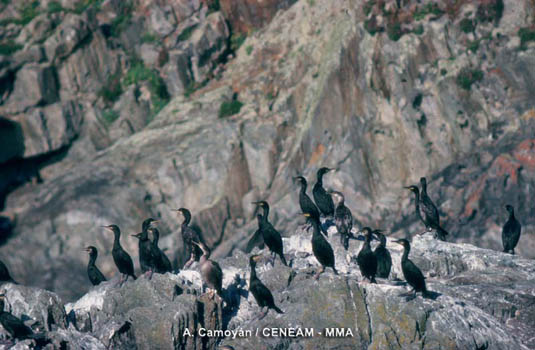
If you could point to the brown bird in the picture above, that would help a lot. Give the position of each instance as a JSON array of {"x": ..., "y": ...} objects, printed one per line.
[{"x": 211, "y": 272}]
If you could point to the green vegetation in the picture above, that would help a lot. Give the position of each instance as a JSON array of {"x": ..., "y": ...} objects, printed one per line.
[
  {"x": 490, "y": 11},
  {"x": 467, "y": 25},
  {"x": 213, "y": 6},
  {"x": 158, "y": 91},
  {"x": 9, "y": 47},
  {"x": 54, "y": 6},
  {"x": 112, "y": 90},
  {"x": 368, "y": 7},
  {"x": 394, "y": 31},
  {"x": 28, "y": 12},
  {"x": 429, "y": 8},
  {"x": 311, "y": 2},
  {"x": 249, "y": 49},
  {"x": 122, "y": 20},
  {"x": 236, "y": 40},
  {"x": 419, "y": 30},
  {"x": 192, "y": 87},
  {"x": 229, "y": 108},
  {"x": 371, "y": 26},
  {"x": 109, "y": 116},
  {"x": 474, "y": 45},
  {"x": 443, "y": 72},
  {"x": 468, "y": 76},
  {"x": 83, "y": 5},
  {"x": 149, "y": 37},
  {"x": 186, "y": 33},
  {"x": 526, "y": 35}
]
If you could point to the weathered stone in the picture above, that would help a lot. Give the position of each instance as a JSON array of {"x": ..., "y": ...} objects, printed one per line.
[
  {"x": 176, "y": 72},
  {"x": 68, "y": 36},
  {"x": 247, "y": 15},
  {"x": 34, "y": 85},
  {"x": 37, "y": 30}
]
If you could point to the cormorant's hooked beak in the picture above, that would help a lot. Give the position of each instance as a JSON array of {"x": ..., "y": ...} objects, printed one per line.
[
  {"x": 398, "y": 241},
  {"x": 256, "y": 258},
  {"x": 307, "y": 215},
  {"x": 107, "y": 227},
  {"x": 408, "y": 188},
  {"x": 137, "y": 235}
]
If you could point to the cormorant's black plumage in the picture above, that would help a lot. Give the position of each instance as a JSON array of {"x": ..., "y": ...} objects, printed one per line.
[
  {"x": 12, "y": 324},
  {"x": 147, "y": 254},
  {"x": 122, "y": 259},
  {"x": 307, "y": 206},
  {"x": 271, "y": 237},
  {"x": 320, "y": 247},
  {"x": 411, "y": 272},
  {"x": 94, "y": 274},
  {"x": 384, "y": 260},
  {"x": 211, "y": 272},
  {"x": 427, "y": 212},
  {"x": 321, "y": 197},
  {"x": 342, "y": 219},
  {"x": 4, "y": 274},
  {"x": 366, "y": 260},
  {"x": 189, "y": 235},
  {"x": 511, "y": 231},
  {"x": 163, "y": 264},
  {"x": 261, "y": 293}
]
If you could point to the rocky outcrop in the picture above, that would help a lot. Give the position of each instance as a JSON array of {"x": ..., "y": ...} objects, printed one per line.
[
  {"x": 317, "y": 86},
  {"x": 482, "y": 299}
]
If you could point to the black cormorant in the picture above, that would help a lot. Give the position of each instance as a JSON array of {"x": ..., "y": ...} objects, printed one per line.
[
  {"x": 4, "y": 274},
  {"x": 122, "y": 259},
  {"x": 211, "y": 272},
  {"x": 17, "y": 329},
  {"x": 307, "y": 206},
  {"x": 147, "y": 254},
  {"x": 366, "y": 260},
  {"x": 343, "y": 219},
  {"x": 261, "y": 293},
  {"x": 321, "y": 197},
  {"x": 384, "y": 260},
  {"x": 411, "y": 272},
  {"x": 271, "y": 237},
  {"x": 94, "y": 274},
  {"x": 320, "y": 247},
  {"x": 189, "y": 235},
  {"x": 163, "y": 264},
  {"x": 427, "y": 212},
  {"x": 511, "y": 231}
]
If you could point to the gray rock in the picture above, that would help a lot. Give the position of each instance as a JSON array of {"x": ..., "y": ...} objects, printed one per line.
[{"x": 69, "y": 34}]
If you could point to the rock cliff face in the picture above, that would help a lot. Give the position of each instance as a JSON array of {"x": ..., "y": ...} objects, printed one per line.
[
  {"x": 484, "y": 300},
  {"x": 382, "y": 93}
]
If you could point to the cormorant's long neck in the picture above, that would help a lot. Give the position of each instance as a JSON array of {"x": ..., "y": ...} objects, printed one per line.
[
  {"x": 405, "y": 255},
  {"x": 316, "y": 226},
  {"x": 320, "y": 180},
  {"x": 117, "y": 240},
  {"x": 424, "y": 189},
  {"x": 512, "y": 214},
  {"x": 187, "y": 219},
  {"x": 266, "y": 212},
  {"x": 303, "y": 188},
  {"x": 156, "y": 237},
  {"x": 92, "y": 259},
  {"x": 253, "y": 273}
]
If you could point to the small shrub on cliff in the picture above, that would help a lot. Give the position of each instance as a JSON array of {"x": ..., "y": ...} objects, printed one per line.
[
  {"x": 236, "y": 40},
  {"x": 9, "y": 47},
  {"x": 490, "y": 11},
  {"x": 54, "y": 6},
  {"x": 430, "y": 8},
  {"x": 109, "y": 116},
  {"x": 468, "y": 76},
  {"x": 467, "y": 25},
  {"x": 186, "y": 33},
  {"x": 526, "y": 35},
  {"x": 28, "y": 12},
  {"x": 231, "y": 107},
  {"x": 394, "y": 31}
]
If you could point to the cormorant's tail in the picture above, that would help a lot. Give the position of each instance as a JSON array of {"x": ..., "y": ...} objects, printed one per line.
[
  {"x": 441, "y": 233},
  {"x": 426, "y": 294},
  {"x": 279, "y": 311},
  {"x": 133, "y": 276},
  {"x": 283, "y": 259},
  {"x": 335, "y": 272}
]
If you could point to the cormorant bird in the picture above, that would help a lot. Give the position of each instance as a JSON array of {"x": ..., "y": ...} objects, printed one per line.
[
  {"x": 122, "y": 259},
  {"x": 163, "y": 264},
  {"x": 320, "y": 247},
  {"x": 4, "y": 274},
  {"x": 271, "y": 237},
  {"x": 94, "y": 274},
  {"x": 366, "y": 260},
  {"x": 343, "y": 219},
  {"x": 511, "y": 231},
  {"x": 321, "y": 197},
  {"x": 261, "y": 293},
  {"x": 16, "y": 328},
  {"x": 306, "y": 204},
  {"x": 426, "y": 210},
  {"x": 211, "y": 272},
  {"x": 147, "y": 254},
  {"x": 411, "y": 272},
  {"x": 384, "y": 260},
  {"x": 189, "y": 236}
]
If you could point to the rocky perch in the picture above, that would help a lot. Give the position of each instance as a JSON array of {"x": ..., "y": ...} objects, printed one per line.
[{"x": 484, "y": 300}]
